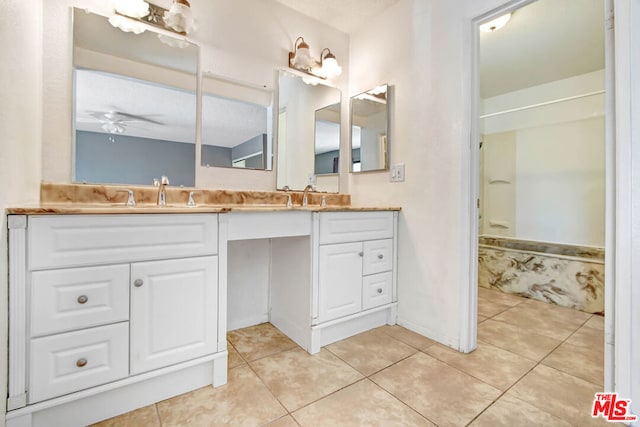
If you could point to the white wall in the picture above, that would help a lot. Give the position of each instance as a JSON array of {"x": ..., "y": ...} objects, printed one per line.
[
  {"x": 246, "y": 40},
  {"x": 20, "y": 131},
  {"x": 560, "y": 183},
  {"x": 553, "y": 156},
  {"x": 422, "y": 48}
]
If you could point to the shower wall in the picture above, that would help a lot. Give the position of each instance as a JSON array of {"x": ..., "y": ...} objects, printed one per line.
[{"x": 543, "y": 163}]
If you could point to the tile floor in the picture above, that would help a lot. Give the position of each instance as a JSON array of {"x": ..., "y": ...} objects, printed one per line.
[{"x": 536, "y": 365}]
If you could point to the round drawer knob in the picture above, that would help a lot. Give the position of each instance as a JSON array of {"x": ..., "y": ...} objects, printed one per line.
[
  {"x": 379, "y": 290},
  {"x": 81, "y": 362},
  {"x": 82, "y": 299},
  {"x": 360, "y": 253},
  {"x": 138, "y": 283},
  {"x": 380, "y": 256}
]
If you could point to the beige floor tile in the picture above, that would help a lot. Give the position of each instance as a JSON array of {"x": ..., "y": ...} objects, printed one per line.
[
  {"x": 298, "y": 378},
  {"x": 588, "y": 337},
  {"x": 360, "y": 404},
  {"x": 582, "y": 362},
  {"x": 259, "y": 341},
  {"x": 482, "y": 319},
  {"x": 510, "y": 411},
  {"x": 371, "y": 351},
  {"x": 442, "y": 394},
  {"x": 560, "y": 394},
  {"x": 499, "y": 297},
  {"x": 414, "y": 339},
  {"x": 544, "y": 319},
  {"x": 495, "y": 366},
  {"x": 243, "y": 401},
  {"x": 147, "y": 416},
  {"x": 488, "y": 308},
  {"x": 287, "y": 421},
  {"x": 596, "y": 322},
  {"x": 234, "y": 359},
  {"x": 517, "y": 340}
]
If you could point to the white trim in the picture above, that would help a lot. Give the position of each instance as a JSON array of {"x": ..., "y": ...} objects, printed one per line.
[
  {"x": 623, "y": 225},
  {"x": 17, "y": 309},
  {"x": 610, "y": 201}
]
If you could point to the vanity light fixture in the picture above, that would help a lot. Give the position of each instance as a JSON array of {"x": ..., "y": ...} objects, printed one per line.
[
  {"x": 131, "y": 14},
  {"x": 495, "y": 24},
  {"x": 328, "y": 64},
  {"x": 300, "y": 59},
  {"x": 179, "y": 17},
  {"x": 132, "y": 8}
]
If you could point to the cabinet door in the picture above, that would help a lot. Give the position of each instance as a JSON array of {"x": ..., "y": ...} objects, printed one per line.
[
  {"x": 173, "y": 311},
  {"x": 340, "y": 280}
]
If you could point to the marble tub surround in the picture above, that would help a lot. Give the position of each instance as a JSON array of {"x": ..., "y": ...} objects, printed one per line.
[
  {"x": 89, "y": 194},
  {"x": 579, "y": 251},
  {"x": 568, "y": 281}
]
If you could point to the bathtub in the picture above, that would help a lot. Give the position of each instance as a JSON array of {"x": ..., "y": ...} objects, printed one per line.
[{"x": 566, "y": 275}]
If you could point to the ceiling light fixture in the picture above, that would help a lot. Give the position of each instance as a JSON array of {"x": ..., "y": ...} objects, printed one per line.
[
  {"x": 495, "y": 24},
  {"x": 300, "y": 59}
]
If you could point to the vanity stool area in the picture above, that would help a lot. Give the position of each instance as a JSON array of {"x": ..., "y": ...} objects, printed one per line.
[{"x": 111, "y": 310}]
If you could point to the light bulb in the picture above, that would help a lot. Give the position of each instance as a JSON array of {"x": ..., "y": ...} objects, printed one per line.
[{"x": 496, "y": 24}]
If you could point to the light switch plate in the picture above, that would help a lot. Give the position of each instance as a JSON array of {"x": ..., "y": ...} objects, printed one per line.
[{"x": 397, "y": 172}]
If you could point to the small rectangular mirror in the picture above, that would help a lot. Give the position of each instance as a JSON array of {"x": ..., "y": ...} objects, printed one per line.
[
  {"x": 237, "y": 124},
  {"x": 369, "y": 130}
]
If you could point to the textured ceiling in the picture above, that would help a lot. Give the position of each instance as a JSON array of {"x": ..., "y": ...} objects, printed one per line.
[
  {"x": 545, "y": 41},
  {"x": 344, "y": 15}
]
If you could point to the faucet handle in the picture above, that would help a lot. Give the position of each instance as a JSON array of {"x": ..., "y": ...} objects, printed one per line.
[
  {"x": 156, "y": 182},
  {"x": 289, "y": 202},
  {"x": 191, "y": 202},
  {"x": 131, "y": 201},
  {"x": 164, "y": 180}
]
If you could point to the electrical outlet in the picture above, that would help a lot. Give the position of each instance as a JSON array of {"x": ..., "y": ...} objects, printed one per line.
[
  {"x": 312, "y": 179},
  {"x": 397, "y": 172}
]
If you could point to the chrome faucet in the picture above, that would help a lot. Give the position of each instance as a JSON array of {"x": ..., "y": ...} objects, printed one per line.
[
  {"x": 162, "y": 191},
  {"x": 305, "y": 196}
]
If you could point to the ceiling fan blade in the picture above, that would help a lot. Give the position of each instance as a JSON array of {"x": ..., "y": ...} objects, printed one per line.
[{"x": 126, "y": 116}]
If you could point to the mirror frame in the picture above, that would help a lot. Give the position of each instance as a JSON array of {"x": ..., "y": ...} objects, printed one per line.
[{"x": 387, "y": 150}]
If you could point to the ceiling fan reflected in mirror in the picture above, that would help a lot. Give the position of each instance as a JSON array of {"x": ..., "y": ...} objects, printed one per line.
[{"x": 116, "y": 122}]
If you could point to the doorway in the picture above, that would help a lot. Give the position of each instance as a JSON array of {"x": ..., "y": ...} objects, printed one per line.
[{"x": 532, "y": 116}]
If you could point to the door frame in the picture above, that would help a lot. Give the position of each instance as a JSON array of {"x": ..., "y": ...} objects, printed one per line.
[{"x": 614, "y": 176}]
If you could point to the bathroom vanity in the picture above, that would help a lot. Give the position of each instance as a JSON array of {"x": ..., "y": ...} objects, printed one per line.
[{"x": 112, "y": 310}]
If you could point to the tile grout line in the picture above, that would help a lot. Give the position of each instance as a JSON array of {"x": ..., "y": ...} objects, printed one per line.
[{"x": 538, "y": 363}]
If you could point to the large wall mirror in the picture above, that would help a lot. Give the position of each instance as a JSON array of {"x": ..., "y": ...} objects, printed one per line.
[
  {"x": 308, "y": 130},
  {"x": 369, "y": 130},
  {"x": 237, "y": 124},
  {"x": 134, "y": 104}
]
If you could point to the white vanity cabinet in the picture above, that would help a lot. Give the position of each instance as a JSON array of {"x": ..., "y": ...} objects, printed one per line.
[
  {"x": 354, "y": 274},
  {"x": 109, "y": 313}
]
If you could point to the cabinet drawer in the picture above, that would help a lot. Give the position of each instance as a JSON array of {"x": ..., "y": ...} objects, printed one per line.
[
  {"x": 378, "y": 256},
  {"x": 69, "y": 299},
  {"x": 376, "y": 290},
  {"x": 64, "y": 363},
  {"x": 81, "y": 240},
  {"x": 339, "y": 227}
]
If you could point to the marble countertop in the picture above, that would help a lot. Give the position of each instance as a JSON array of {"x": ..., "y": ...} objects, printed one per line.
[{"x": 88, "y": 209}]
